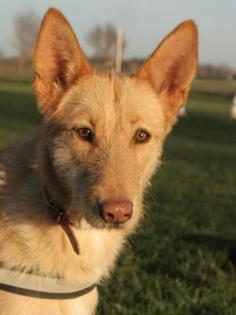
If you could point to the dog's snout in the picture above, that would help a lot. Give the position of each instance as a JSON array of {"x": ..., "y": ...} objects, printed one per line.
[{"x": 116, "y": 211}]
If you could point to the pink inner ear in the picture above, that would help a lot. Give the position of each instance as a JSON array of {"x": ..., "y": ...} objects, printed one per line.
[
  {"x": 173, "y": 63},
  {"x": 55, "y": 50},
  {"x": 171, "y": 68},
  {"x": 59, "y": 60}
]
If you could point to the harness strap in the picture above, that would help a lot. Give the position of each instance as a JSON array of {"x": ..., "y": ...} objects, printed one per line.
[{"x": 39, "y": 287}]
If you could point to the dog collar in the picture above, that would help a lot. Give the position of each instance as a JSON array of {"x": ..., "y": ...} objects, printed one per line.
[
  {"x": 58, "y": 214},
  {"x": 40, "y": 287}
]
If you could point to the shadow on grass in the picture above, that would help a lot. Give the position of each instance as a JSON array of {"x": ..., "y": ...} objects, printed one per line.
[
  {"x": 203, "y": 138},
  {"x": 212, "y": 242},
  {"x": 216, "y": 243},
  {"x": 206, "y": 127}
]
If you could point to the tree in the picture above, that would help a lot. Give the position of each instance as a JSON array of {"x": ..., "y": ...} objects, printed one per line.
[
  {"x": 26, "y": 26},
  {"x": 102, "y": 40}
]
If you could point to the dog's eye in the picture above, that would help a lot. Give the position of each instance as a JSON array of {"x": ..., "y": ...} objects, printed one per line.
[
  {"x": 85, "y": 133},
  {"x": 142, "y": 136}
]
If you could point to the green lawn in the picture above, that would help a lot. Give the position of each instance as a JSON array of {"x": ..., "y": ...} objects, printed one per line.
[{"x": 177, "y": 262}]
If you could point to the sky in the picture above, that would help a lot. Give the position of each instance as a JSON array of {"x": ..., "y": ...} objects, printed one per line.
[{"x": 144, "y": 23}]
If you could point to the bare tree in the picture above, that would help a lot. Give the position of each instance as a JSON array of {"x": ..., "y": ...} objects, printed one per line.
[
  {"x": 26, "y": 26},
  {"x": 102, "y": 40}
]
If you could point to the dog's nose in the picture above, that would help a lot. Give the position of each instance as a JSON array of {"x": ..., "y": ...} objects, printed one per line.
[{"x": 116, "y": 211}]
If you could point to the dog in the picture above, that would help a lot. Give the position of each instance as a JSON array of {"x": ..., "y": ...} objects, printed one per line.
[{"x": 72, "y": 191}]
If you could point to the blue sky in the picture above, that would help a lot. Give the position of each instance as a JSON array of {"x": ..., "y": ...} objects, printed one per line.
[{"x": 144, "y": 22}]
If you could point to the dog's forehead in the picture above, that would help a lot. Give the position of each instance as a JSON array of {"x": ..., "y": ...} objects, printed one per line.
[{"x": 111, "y": 97}]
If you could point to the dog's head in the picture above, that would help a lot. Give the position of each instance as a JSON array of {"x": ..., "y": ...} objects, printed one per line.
[{"x": 103, "y": 134}]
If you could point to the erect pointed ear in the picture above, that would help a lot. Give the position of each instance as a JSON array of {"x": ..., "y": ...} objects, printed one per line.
[
  {"x": 171, "y": 68},
  {"x": 58, "y": 60}
]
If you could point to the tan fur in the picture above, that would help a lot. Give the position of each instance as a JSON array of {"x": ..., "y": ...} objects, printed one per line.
[{"x": 80, "y": 174}]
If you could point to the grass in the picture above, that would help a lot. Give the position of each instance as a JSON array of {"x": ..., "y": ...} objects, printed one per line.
[{"x": 177, "y": 262}]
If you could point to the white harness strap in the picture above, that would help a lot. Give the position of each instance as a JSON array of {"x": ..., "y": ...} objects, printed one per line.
[{"x": 38, "y": 286}]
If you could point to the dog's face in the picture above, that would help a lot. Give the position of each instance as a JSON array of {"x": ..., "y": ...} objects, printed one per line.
[
  {"x": 108, "y": 142},
  {"x": 105, "y": 132}
]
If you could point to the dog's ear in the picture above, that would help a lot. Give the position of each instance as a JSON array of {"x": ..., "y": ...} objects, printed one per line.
[
  {"x": 58, "y": 60},
  {"x": 171, "y": 68}
]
